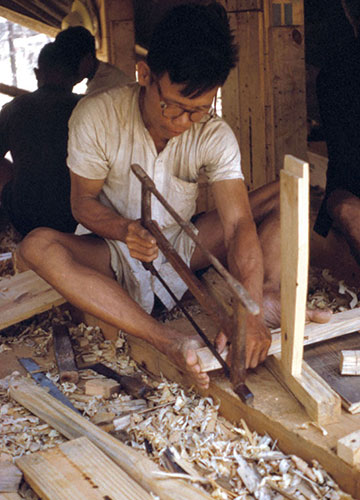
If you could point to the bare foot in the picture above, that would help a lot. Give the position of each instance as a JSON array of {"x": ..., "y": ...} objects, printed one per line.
[
  {"x": 272, "y": 312},
  {"x": 182, "y": 352}
]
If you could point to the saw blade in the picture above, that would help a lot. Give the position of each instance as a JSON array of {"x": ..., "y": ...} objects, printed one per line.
[{"x": 37, "y": 374}]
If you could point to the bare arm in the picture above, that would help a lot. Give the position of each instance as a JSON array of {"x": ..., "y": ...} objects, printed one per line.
[
  {"x": 105, "y": 222},
  {"x": 245, "y": 259}
]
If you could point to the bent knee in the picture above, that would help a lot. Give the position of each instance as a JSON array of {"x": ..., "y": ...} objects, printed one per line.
[{"x": 33, "y": 247}]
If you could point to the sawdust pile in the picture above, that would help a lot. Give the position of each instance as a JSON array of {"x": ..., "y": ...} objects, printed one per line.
[{"x": 178, "y": 429}]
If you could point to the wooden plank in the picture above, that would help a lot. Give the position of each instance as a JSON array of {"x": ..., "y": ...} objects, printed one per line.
[
  {"x": 274, "y": 410},
  {"x": 23, "y": 296},
  {"x": 78, "y": 466},
  {"x": 10, "y": 496},
  {"x": 72, "y": 426},
  {"x": 294, "y": 203},
  {"x": 348, "y": 448}
]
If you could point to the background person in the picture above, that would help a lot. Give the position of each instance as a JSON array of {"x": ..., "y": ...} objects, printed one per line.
[
  {"x": 35, "y": 188},
  {"x": 80, "y": 43}
]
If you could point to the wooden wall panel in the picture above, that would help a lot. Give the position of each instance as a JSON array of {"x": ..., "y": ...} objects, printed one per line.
[
  {"x": 289, "y": 99},
  {"x": 244, "y": 96},
  {"x": 264, "y": 97},
  {"x": 118, "y": 34}
]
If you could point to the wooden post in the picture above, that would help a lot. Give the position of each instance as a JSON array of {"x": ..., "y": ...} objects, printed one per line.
[
  {"x": 320, "y": 401},
  {"x": 118, "y": 34},
  {"x": 294, "y": 196}
]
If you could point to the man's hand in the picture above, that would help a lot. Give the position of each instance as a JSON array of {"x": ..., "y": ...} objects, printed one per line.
[
  {"x": 141, "y": 244},
  {"x": 258, "y": 341}
]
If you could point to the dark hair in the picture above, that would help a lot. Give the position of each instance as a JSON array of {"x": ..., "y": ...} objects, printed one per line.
[
  {"x": 54, "y": 60},
  {"x": 194, "y": 44},
  {"x": 76, "y": 42}
]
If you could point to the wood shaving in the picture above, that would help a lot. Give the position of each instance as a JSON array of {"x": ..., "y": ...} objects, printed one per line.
[{"x": 232, "y": 462}]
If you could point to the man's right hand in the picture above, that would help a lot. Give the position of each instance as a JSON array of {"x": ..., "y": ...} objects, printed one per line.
[{"x": 141, "y": 244}]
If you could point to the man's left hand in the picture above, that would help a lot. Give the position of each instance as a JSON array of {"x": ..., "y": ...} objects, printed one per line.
[{"x": 258, "y": 341}]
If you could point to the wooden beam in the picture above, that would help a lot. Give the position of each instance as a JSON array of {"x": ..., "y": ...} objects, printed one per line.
[
  {"x": 28, "y": 22},
  {"x": 12, "y": 91},
  {"x": 72, "y": 425},
  {"x": 118, "y": 34},
  {"x": 294, "y": 202},
  {"x": 78, "y": 466}
]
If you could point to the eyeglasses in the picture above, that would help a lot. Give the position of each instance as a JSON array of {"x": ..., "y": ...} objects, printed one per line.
[{"x": 173, "y": 111}]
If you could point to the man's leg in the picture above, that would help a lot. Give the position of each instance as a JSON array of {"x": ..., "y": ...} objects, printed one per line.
[
  {"x": 79, "y": 268},
  {"x": 265, "y": 206},
  {"x": 344, "y": 208}
]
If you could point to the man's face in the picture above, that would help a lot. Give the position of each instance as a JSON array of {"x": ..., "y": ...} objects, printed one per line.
[{"x": 167, "y": 112}]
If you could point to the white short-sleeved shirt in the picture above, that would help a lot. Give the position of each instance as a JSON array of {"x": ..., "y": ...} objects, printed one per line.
[
  {"x": 106, "y": 77},
  {"x": 107, "y": 135}
]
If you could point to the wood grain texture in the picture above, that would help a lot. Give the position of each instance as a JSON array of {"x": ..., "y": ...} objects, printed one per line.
[
  {"x": 24, "y": 295},
  {"x": 78, "y": 469},
  {"x": 72, "y": 426},
  {"x": 294, "y": 218},
  {"x": 243, "y": 97},
  {"x": 287, "y": 75}
]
